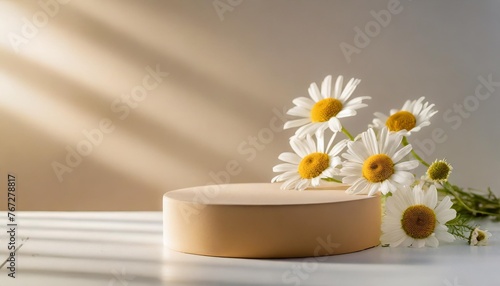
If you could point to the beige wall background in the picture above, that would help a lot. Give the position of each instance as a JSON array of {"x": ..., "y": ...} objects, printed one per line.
[{"x": 67, "y": 68}]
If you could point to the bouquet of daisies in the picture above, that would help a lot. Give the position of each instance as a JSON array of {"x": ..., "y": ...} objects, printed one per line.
[{"x": 418, "y": 211}]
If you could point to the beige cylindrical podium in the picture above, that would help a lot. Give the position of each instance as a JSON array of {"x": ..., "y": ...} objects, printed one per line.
[{"x": 263, "y": 221}]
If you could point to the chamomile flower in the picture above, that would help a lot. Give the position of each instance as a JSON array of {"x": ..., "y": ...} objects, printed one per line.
[
  {"x": 375, "y": 164},
  {"x": 310, "y": 163},
  {"x": 323, "y": 109},
  {"x": 479, "y": 237},
  {"x": 439, "y": 171},
  {"x": 411, "y": 118},
  {"x": 415, "y": 218}
]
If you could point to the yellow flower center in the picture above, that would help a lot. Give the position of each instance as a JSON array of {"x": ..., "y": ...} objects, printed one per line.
[
  {"x": 313, "y": 165},
  {"x": 378, "y": 168},
  {"x": 418, "y": 221},
  {"x": 401, "y": 120},
  {"x": 439, "y": 171},
  {"x": 325, "y": 109},
  {"x": 480, "y": 236}
]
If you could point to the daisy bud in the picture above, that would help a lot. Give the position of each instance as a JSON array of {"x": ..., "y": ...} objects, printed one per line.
[
  {"x": 479, "y": 237},
  {"x": 439, "y": 171}
]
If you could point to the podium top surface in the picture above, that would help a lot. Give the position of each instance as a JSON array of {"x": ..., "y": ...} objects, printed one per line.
[{"x": 262, "y": 194}]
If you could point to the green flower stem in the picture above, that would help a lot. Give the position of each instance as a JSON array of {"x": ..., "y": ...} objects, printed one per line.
[
  {"x": 405, "y": 142},
  {"x": 460, "y": 227},
  {"x": 418, "y": 158},
  {"x": 347, "y": 134},
  {"x": 475, "y": 204},
  {"x": 454, "y": 192},
  {"x": 330, "y": 179}
]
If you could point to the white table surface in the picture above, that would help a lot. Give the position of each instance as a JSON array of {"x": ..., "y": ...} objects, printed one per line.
[{"x": 125, "y": 249}]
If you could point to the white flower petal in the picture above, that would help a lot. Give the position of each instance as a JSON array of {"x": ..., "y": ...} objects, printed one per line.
[
  {"x": 334, "y": 124},
  {"x": 383, "y": 140},
  {"x": 392, "y": 146},
  {"x": 352, "y": 157},
  {"x": 419, "y": 243},
  {"x": 308, "y": 129},
  {"x": 406, "y": 106},
  {"x": 385, "y": 187},
  {"x": 406, "y": 242},
  {"x": 418, "y": 106},
  {"x": 370, "y": 140},
  {"x": 393, "y": 208},
  {"x": 290, "y": 183},
  {"x": 337, "y": 148},
  {"x": 328, "y": 173},
  {"x": 330, "y": 142},
  {"x": 407, "y": 165},
  {"x": 285, "y": 167},
  {"x": 299, "y": 147},
  {"x": 349, "y": 89},
  {"x": 374, "y": 188},
  {"x": 350, "y": 171},
  {"x": 431, "y": 197},
  {"x": 445, "y": 236},
  {"x": 420, "y": 110},
  {"x": 346, "y": 112},
  {"x": 358, "y": 187},
  {"x": 285, "y": 176},
  {"x": 446, "y": 215},
  {"x": 311, "y": 146},
  {"x": 443, "y": 205},
  {"x": 338, "y": 87},
  {"x": 314, "y": 92},
  {"x": 295, "y": 123},
  {"x": 304, "y": 102},
  {"x": 350, "y": 164},
  {"x": 396, "y": 204},
  {"x": 432, "y": 241},
  {"x": 335, "y": 161},
  {"x": 290, "y": 158},
  {"x": 359, "y": 150},
  {"x": 395, "y": 236},
  {"x": 357, "y": 101},
  {"x": 299, "y": 111},
  {"x": 303, "y": 184},
  {"x": 351, "y": 180},
  {"x": 401, "y": 153},
  {"x": 326, "y": 87},
  {"x": 355, "y": 106}
]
